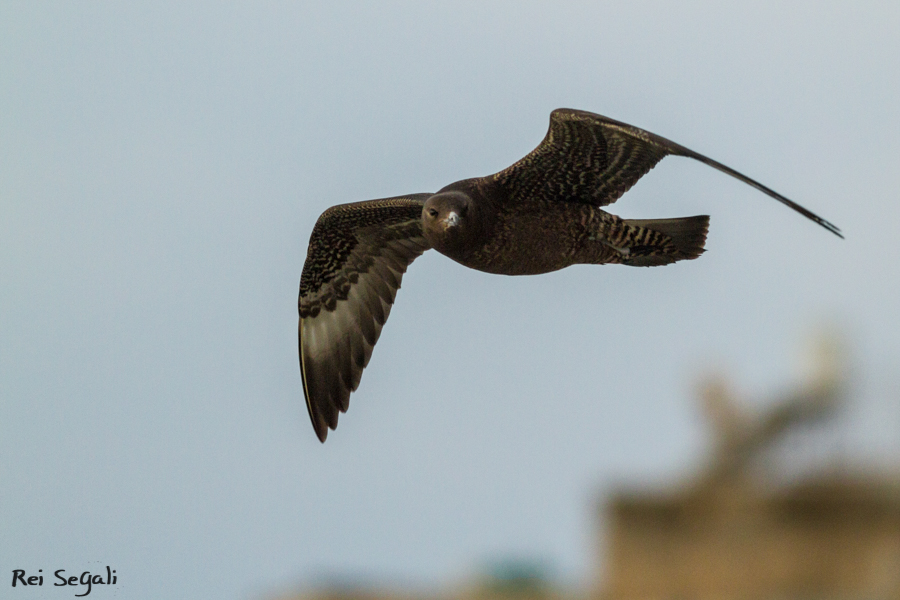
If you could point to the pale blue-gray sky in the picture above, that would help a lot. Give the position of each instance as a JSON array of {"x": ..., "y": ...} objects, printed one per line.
[{"x": 161, "y": 168}]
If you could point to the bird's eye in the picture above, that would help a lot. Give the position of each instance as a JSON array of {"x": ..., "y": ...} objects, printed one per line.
[{"x": 432, "y": 212}]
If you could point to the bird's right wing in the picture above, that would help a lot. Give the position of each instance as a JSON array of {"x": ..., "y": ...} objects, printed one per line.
[{"x": 357, "y": 256}]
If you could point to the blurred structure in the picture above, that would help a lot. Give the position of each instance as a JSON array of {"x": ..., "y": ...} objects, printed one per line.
[
  {"x": 512, "y": 580},
  {"x": 348, "y": 592},
  {"x": 503, "y": 580},
  {"x": 734, "y": 532}
]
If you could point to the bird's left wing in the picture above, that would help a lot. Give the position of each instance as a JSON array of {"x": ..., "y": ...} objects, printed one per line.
[
  {"x": 592, "y": 159},
  {"x": 357, "y": 256},
  {"x": 584, "y": 158}
]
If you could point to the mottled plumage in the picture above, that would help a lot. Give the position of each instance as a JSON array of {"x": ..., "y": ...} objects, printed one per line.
[{"x": 539, "y": 215}]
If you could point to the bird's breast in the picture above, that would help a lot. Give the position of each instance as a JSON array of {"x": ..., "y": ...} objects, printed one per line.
[{"x": 531, "y": 240}]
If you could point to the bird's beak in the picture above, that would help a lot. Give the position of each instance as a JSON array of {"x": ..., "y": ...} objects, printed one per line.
[{"x": 452, "y": 220}]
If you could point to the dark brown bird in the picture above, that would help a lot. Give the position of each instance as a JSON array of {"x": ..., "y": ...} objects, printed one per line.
[{"x": 539, "y": 215}]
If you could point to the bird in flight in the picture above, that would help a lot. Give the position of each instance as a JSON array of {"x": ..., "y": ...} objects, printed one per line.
[{"x": 539, "y": 215}]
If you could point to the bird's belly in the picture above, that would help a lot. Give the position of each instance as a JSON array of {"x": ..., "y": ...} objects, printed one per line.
[{"x": 531, "y": 243}]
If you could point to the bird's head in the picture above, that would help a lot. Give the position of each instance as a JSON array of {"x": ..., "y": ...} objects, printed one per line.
[{"x": 446, "y": 219}]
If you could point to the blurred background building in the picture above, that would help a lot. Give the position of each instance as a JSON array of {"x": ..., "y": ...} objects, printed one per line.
[{"x": 742, "y": 529}]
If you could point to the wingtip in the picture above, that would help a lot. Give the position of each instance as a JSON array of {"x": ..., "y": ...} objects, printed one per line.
[
  {"x": 826, "y": 224},
  {"x": 679, "y": 150},
  {"x": 834, "y": 229},
  {"x": 319, "y": 425}
]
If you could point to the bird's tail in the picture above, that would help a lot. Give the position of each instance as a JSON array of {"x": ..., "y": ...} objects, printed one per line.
[{"x": 683, "y": 239}]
